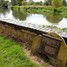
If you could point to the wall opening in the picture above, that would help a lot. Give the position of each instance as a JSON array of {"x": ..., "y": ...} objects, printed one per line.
[
  {"x": 66, "y": 64},
  {"x": 65, "y": 39}
]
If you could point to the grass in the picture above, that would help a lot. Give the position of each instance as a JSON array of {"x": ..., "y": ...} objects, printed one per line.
[{"x": 13, "y": 55}]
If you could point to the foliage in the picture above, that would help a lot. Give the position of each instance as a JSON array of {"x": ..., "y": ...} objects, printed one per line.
[
  {"x": 37, "y": 3},
  {"x": 54, "y": 18},
  {"x": 22, "y": 12},
  {"x": 16, "y": 2},
  {"x": 2, "y": 10},
  {"x": 3, "y": 3},
  {"x": 24, "y": 2},
  {"x": 64, "y": 3},
  {"x": 13, "y": 55},
  {"x": 38, "y": 10},
  {"x": 48, "y": 2},
  {"x": 19, "y": 2},
  {"x": 19, "y": 13},
  {"x": 57, "y": 3}
]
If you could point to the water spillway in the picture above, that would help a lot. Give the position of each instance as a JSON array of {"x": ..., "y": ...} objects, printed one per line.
[
  {"x": 6, "y": 25},
  {"x": 19, "y": 26},
  {"x": 49, "y": 45}
]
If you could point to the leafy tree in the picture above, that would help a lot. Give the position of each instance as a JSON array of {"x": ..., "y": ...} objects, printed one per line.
[
  {"x": 14, "y": 2},
  {"x": 57, "y": 3},
  {"x": 19, "y": 13},
  {"x": 17, "y": 2},
  {"x": 49, "y": 2},
  {"x": 24, "y": 2},
  {"x": 3, "y": 3},
  {"x": 54, "y": 18},
  {"x": 64, "y": 2},
  {"x": 38, "y": 3},
  {"x": 20, "y": 2}
]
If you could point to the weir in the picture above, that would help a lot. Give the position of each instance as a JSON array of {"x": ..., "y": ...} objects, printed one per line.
[{"x": 50, "y": 44}]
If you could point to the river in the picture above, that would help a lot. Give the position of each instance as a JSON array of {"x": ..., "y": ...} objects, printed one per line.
[{"x": 55, "y": 23}]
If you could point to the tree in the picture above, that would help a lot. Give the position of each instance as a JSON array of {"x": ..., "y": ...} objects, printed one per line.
[
  {"x": 19, "y": 13},
  {"x": 54, "y": 18},
  {"x": 64, "y": 2},
  {"x": 57, "y": 3},
  {"x": 3, "y": 3},
  {"x": 14, "y": 2},
  {"x": 24, "y": 2},
  {"x": 17, "y": 2},
  {"x": 49, "y": 2},
  {"x": 20, "y": 2}
]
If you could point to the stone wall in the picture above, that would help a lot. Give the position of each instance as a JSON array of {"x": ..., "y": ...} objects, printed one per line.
[{"x": 16, "y": 32}]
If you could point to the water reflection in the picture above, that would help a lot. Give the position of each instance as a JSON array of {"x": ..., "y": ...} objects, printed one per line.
[
  {"x": 6, "y": 15},
  {"x": 21, "y": 17},
  {"x": 3, "y": 10},
  {"x": 19, "y": 13},
  {"x": 54, "y": 18},
  {"x": 37, "y": 19}
]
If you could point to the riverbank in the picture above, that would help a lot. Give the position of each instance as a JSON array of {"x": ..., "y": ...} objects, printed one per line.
[
  {"x": 12, "y": 54},
  {"x": 34, "y": 9},
  {"x": 37, "y": 6},
  {"x": 41, "y": 9}
]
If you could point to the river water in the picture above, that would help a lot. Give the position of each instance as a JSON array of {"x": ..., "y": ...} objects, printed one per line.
[{"x": 55, "y": 23}]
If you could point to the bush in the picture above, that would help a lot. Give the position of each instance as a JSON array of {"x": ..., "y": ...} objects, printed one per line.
[{"x": 57, "y": 3}]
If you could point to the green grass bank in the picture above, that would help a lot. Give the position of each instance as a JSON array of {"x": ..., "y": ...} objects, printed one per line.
[{"x": 13, "y": 54}]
